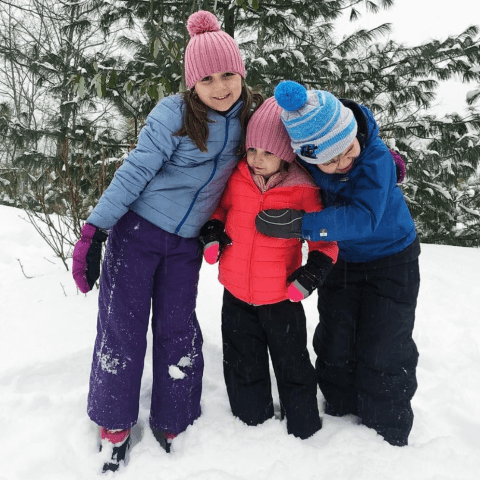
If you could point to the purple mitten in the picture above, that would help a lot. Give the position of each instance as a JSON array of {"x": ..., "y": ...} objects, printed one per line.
[
  {"x": 86, "y": 257},
  {"x": 399, "y": 164}
]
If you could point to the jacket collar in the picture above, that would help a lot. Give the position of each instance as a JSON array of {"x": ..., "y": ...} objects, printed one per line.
[{"x": 233, "y": 111}]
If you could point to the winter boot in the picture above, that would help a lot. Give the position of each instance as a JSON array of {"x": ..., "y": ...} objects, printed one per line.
[
  {"x": 114, "y": 444},
  {"x": 164, "y": 438}
]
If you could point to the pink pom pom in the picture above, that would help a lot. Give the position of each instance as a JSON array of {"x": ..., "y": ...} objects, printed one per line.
[{"x": 202, "y": 22}]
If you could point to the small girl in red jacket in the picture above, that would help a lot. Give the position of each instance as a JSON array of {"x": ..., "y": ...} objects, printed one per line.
[{"x": 264, "y": 280}]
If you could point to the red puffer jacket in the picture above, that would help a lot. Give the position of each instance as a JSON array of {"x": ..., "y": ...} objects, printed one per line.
[{"x": 254, "y": 268}]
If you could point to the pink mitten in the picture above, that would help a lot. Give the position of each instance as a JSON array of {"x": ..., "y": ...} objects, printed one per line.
[
  {"x": 211, "y": 252},
  {"x": 213, "y": 240},
  {"x": 295, "y": 292}
]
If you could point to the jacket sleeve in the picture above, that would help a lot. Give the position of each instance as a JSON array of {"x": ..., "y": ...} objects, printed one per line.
[
  {"x": 313, "y": 203},
  {"x": 156, "y": 145},
  {"x": 361, "y": 214}
]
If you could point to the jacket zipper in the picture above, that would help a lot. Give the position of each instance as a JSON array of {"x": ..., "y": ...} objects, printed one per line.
[
  {"x": 255, "y": 233},
  {"x": 215, "y": 164}
]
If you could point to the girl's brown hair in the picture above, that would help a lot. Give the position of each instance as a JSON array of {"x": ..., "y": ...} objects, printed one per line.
[{"x": 195, "y": 122}]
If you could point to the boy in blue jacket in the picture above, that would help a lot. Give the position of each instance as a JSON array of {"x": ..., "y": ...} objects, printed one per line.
[{"x": 366, "y": 356}]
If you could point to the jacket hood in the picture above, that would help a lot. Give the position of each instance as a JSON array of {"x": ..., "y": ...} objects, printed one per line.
[{"x": 367, "y": 126}]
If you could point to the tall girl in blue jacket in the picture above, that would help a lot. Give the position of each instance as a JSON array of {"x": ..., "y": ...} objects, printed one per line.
[
  {"x": 366, "y": 356},
  {"x": 166, "y": 189}
]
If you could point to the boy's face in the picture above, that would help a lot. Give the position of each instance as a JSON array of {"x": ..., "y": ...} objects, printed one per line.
[
  {"x": 344, "y": 162},
  {"x": 219, "y": 91},
  {"x": 263, "y": 162}
]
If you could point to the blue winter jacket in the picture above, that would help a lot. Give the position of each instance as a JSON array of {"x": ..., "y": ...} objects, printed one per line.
[
  {"x": 166, "y": 179},
  {"x": 365, "y": 209}
]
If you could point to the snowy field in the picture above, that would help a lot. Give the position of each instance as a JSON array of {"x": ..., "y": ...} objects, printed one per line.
[{"x": 47, "y": 332}]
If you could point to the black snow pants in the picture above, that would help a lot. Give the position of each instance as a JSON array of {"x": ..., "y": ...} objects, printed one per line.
[
  {"x": 249, "y": 332},
  {"x": 366, "y": 356}
]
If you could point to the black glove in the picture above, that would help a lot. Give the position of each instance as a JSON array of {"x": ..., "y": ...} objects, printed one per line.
[
  {"x": 284, "y": 223},
  {"x": 310, "y": 276},
  {"x": 213, "y": 240}
]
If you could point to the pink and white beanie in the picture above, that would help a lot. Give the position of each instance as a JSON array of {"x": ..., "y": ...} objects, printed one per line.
[
  {"x": 265, "y": 130},
  {"x": 210, "y": 50}
]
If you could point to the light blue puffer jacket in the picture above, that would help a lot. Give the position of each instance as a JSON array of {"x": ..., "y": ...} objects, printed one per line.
[{"x": 166, "y": 179}]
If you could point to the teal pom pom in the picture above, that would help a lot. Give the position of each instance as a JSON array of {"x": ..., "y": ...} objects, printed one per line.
[{"x": 290, "y": 95}]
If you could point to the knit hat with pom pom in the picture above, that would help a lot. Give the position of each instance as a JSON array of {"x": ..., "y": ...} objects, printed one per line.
[
  {"x": 210, "y": 50},
  {"x": 319, "y": 125},
  {"x": 265, "y": 130}
]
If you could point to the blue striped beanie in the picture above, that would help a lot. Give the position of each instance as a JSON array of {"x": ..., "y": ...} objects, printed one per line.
[{"x": 319, "y": 125}]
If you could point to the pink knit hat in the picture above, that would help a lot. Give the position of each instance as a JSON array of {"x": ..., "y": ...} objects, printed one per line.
[
  {"x": 265, "y": 130},
  {"x": 210, "y": 50}
]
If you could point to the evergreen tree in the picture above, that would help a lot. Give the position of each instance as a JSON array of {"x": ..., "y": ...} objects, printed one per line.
[
  {"x": 296, "y": 40},
  {"x": 59, "y": 143},
  {"x": 286, "y": 39}
]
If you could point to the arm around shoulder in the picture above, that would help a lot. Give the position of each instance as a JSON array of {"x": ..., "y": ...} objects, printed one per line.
[{"x": 364, "y": 203}]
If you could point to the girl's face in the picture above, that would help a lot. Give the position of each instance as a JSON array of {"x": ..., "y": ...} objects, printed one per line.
[
  {"x": 219, "y": 91},
  {"x": 344, "y": 162},
  {"x": 263, "y": 162}
]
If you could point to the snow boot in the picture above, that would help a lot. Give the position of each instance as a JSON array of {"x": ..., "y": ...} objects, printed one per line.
[
  {"x": 164, "y": 438},
  {"x": 114, "y": 444}
]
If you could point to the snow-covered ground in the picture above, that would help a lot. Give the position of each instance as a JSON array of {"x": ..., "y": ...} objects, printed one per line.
[{"x": 47, "y": 331}]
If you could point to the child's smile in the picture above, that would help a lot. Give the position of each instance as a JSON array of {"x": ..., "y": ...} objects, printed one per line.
[
  {"x": 219, "y": 91},
  {"x": 345, "y": 169}
]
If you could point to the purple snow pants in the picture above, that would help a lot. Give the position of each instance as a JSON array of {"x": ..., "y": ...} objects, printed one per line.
[{"x": 145, "y": 266}]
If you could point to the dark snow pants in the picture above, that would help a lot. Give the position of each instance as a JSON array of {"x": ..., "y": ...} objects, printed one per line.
[
  {"x": 249, "y": 332},
  {"x": 147, "y": 269},
  {"x": 366, "y": 357}
]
